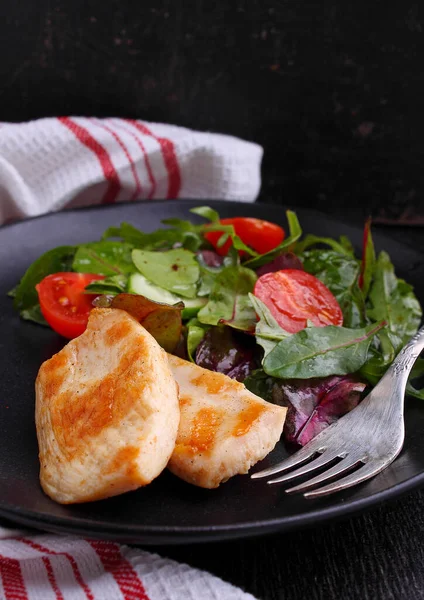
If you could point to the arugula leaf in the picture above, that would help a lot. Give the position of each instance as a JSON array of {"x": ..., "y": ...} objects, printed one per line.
[
  {"x": 268, "y": 332},
  {"x": 229, "y": 302},
  {"x": 111, "y": 285},
  {"x": 340, "y": 274},
  {"x": 215, "y": 225},
  {"x": 347, "y": 245},
  {"x": 174, "y": 270},
  {"x": 295, "y": 233},
  {"x": 393, "y": 300},
  {"x": 195, "y": 333},
  {"x": 368, "y": 260},
  {"x": 312, "y": 240},
  {"x": 104, "y": 258},
  {"x": 53, "y": 261},
  {"x": 211, "y": 264},
  {"x": 412, "y": 391},
  {"x": 320, "y": 351},
  {"x": 183, "y": 232},
  {"x": 207, "y": 212}
]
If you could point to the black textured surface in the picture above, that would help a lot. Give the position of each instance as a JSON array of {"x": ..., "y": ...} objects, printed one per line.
[
  {"x": 170, "y": 511},
  {"x": 333, "y": 91}
]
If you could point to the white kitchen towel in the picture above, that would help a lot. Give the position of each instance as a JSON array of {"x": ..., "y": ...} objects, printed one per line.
[
  {"x": 50, "y": 164},
  {"x": 53, "y": 567},
  {"x": 53, "y": 163}
]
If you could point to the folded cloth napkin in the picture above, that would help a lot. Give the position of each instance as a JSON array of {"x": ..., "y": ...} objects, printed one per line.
[{"x": 50, "y": 164}]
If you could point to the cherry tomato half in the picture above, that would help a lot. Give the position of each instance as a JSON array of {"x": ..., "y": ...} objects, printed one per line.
[
  {"x": 63, "y": 302},
  {"x": 260, "y": 235},
  {"x": 294, "y": 297}
]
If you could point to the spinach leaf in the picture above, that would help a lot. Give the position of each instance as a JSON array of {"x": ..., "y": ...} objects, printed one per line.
[
  {"x": 320, "y": 351},
  {"x": 295, "y": 233},
  {"x": 229, "y": 300},
  {"x": 340, "y": 273},
  {"x": 111, "y": 285},
  {"x": 174, "y": 270},
  {"x": 393, "y": 300},
  {"x": 34, "y": 314},
  {"x": 53, "y": 261},
  {"x": 268, "y": 332},
  {"x": 261, "y": 384},
  {"x": 104, "y": 258}
]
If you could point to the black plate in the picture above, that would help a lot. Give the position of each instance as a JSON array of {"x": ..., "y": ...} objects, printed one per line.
[{"x": 168, "y": 510}]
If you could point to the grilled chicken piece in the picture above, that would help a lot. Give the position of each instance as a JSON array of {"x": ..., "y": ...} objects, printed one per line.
[
  {"x": 224, "y": 429},
  {"x": 106, "y": 411}
]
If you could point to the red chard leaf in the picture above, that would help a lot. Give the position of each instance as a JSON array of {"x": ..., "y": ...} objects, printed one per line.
[
  {"x": 315, "y": 404},
  {"x": 228, "y": 351},
  {"x": 283, "y": 261},
  {"x": 368, "y": 260}
]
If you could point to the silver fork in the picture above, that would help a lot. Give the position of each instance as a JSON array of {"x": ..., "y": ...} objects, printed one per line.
[{"x": 364, "y": 442}]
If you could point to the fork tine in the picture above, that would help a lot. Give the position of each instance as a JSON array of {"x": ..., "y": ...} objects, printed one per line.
[
  {"x": 364, "y": 473},
  {"x": 296, "y": 459},
  {"x": 339, "y": 469},
  {"x": 321, "y": 461}
]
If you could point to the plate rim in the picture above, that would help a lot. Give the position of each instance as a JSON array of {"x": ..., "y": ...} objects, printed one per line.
[{"x": 177, "y": 534}]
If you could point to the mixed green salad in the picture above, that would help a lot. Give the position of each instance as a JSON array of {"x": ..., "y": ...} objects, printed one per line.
[{"x": 300, "y": 319}]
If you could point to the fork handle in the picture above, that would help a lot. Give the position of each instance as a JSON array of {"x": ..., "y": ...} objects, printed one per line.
[{"x": 404, "y": 361}]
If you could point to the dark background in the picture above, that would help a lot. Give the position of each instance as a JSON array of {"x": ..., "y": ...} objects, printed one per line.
[
  {"x": 334, "y": 93},
  {"x": 332, "y": 90}
]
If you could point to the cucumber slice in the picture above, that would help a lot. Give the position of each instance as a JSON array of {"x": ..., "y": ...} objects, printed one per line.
[{"x": 138, "y": 284}]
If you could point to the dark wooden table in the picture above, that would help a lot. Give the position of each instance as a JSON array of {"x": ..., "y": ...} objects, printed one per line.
[{"x": 333, "y": 91}]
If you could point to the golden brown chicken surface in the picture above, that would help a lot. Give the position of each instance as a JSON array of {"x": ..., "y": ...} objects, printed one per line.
[
  {"x": 107, "y": 411},
  {"x": 224, "y": 429}
]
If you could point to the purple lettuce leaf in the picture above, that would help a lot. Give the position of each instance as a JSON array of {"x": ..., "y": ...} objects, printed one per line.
[
  {"x": 288, "y": 260},
  {"x": 314, "y": 404},
  {"x": 228, "y": 351}
]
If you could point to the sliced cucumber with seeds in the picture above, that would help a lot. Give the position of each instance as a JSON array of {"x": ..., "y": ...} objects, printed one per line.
[{"x": 138, "y": 284}]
